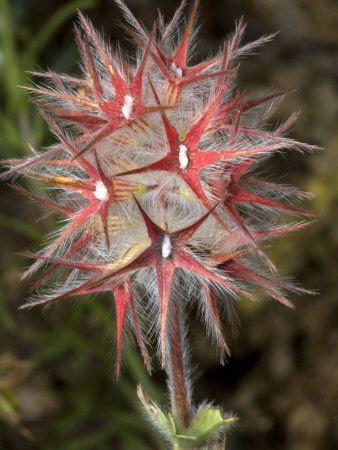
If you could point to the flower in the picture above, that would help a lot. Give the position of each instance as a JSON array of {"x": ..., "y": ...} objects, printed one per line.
[{"x": 154, "y": 177}]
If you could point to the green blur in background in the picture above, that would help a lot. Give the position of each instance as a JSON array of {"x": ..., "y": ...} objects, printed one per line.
[{"x": 57, "y": 383}]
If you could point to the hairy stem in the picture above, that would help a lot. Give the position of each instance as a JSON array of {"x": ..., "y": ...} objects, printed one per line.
[{"x": 179, "y": 384}]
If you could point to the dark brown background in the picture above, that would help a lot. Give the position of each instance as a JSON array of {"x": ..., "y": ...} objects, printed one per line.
[{"x": 282, "y": 378}]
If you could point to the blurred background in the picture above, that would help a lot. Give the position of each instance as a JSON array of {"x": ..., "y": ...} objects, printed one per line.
[{"x": 57, "y": 386}]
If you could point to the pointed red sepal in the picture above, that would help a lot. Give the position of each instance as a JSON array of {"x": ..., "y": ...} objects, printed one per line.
[
  {"x": 104, "y": 210},
  {"x": 259, "y": 101},
  {"x": 241, "y": 195},
  {"x": 87, "y": 57},
  {"x": 123, "y": 299},
  {"x": 60, "y": 95},
  {"x": 87, "y": 267},
  {"x": 235, "y": 216},
  {"x": 195, "y": 133},
  {"x": 66, "y": 78},
  {"x": 238, "y": 270},
  {"x": 180, "y": 56},
  {"x": 60, "y": 209},
  {"x": 84, "y": 289},
  {"x": 172, "y": 23},
  {"x": 132, "y": 19},
  {"x": 153, "y": 230},
  {"x": 262, "y": 236},
  {"x": 165, "y": 273},
  {"x": 120, "y": 308},
  {"x": 213, "y": 308},
  {"x": 215, "y": 259},
  {"x": 115, "y": 77},
  {"x": 79, "y": 220},
  {"x": 81, "y": 243},
  {"x": 87, "y": 120},
  {"x": 131, "y": 305},
  {"x": 278, "y": 187},
  {"x": 136, "y": 85},
  {"x": 183, "y": 235},
  {"x": 38, "y": 159},
  {"x": 186, "y": 261}
]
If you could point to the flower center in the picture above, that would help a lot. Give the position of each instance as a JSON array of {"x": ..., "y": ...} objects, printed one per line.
[
  {"x": 182, "y": 156},
  {"x": 176, "y": 70},
  {"x": 127, "y": 107},
  {"x": 166, "y": 246},
  {"x": 101, "y": 192}
]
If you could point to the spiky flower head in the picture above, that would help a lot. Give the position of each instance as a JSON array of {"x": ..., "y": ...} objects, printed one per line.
[{"x": 153, "y": 175}]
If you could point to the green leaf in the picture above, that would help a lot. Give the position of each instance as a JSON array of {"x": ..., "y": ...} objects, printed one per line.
[
  {"x": 207, "y": 426},
  {"x": 184, "y": 441},
  {"x": 208, "y": 422}
]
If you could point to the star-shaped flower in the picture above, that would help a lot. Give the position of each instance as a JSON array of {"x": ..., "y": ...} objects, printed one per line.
[{"x": 166, "y": 253}]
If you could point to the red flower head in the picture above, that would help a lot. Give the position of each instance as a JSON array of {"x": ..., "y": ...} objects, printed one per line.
[{"x": 154, "y": 177}]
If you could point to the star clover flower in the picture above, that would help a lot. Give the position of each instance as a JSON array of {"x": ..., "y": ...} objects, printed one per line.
[{"x": 154, "y": 178}]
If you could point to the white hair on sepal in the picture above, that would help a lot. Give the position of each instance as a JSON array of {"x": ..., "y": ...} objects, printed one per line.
[
  {"x": 207, "y": 178},
  {"x": 253, "y": 216},
  {"x": 33, "y": 164},
  {"x": 235, "y": 51},
  {"x": 203, "y": 242},
  {"x": 284, "y": 126},
  {"x": 142, "y": 306},
  {"x": 286, "y": 284},
  {"x": 186, "y": 286},
  {"x": 171, "y": 36},
  {"x": 214, "y": 140},
  {"x": 286, "y": 281},
  {"x": 265, "y": 110},
  {"x": 251, "y": 47},
  {"x": 142, "y": 149},
  {"x": 145, "y": 281},
  {"x": 135, "y": 24},
  {"x": 62, "y": 277},
  {"x": 265, "y": 213},
  {"x": 174, "y": 211},
  {"x": 269, "y": 185},
  {"x": 128, "y": 212},
  {"x": 52, "y": 236},
  {"x": 206, "y": 318},
  {"x": 145, "y": 284},
  {"x": 227, "y": 310},
  {"x": 190, "y": 107},
  {"x": 236, "y": 36},
  {"x": 45, "y": 293},
  {"x": 131, "y": 227},
  {"x": 182, "y": 211},
  {"x": 104, "y": 43}
]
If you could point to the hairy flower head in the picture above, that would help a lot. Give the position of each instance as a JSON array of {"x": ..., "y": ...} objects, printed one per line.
[{"x": 154, "y": 177}]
